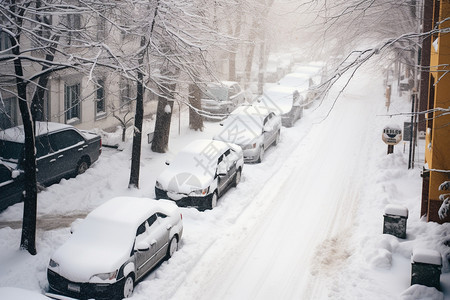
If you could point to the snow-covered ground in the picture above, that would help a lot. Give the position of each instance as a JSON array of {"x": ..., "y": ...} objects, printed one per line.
[{"x": 304, "y": 224}]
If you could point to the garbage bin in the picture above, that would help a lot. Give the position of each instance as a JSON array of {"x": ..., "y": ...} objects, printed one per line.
[
  {"x": 395, "y": 217},
  {"x": 426, "y": 268}
]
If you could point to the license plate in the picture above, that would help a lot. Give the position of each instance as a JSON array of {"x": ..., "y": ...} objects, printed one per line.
[{"x": 73, "y": 287}]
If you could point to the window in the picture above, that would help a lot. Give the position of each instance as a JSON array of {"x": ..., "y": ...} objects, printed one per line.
[
  {"x": 5, "y": 42},
  {"x": 126, "y": 93},
  {"x": 151, "y": 220},
  {"x": 43, "y": 146},
  {"x": 100, "y": 107},
  {"x": 72, "y": 103},
  {"x": 64, "y": 139},
  {"x": 101, "y": 28},
  {"x": 73, "y": 28},
  {"x": 8, "y": 112},
  {"x": 141, "y": 229},
  {"x": 44, "y": 25}
]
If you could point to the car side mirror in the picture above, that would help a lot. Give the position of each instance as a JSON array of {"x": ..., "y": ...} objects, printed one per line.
[
  {"x": 142, "y": 246},
  {"x": 222, "y": 169},
  {"x": 167, "y": 162}
]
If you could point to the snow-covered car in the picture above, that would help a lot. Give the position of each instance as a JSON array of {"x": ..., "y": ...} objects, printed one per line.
[
  {"x": 114, "y": 246},
  {"x": 11, "y": 185},
  {"x": 222, "y": 98},
  {"x": 285, "y": 101},
  {"x": 200, "y": 173},
  {"x": 253, "y": 128},
  {"x": 61, "y": 150}
]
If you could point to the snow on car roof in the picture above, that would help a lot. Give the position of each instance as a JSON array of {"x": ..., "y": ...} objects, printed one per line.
[
  {"x": 197, "y": 147},
  {"x": 130, "y": 210},
  {"x": 252, "y": 110},
  {"x": 228, "y": 83},
  {"x": 16, "y": 134}
]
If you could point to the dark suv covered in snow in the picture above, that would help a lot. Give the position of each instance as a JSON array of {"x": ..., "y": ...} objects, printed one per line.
[{"x": 61, "y": 151}]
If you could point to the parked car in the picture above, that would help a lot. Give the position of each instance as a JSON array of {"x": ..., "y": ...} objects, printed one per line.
[
  {"x": 11, "y": 185},
  {"x": 114, "y": 247},
  {"x": 201, "y": 173},
  {"x": 303, "y": 83},
  {"x": 222, "y": 98},
  {"x": 253, "y": 128},
  {"x": 61, "y": 150},
  {"x": 285, "y": 101}
]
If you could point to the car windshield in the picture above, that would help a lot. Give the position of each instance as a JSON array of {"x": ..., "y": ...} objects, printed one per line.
[
  {"x": 217, "y": 92},
  {"x": 104, "y": 233},
  {"x": 244, "y": 122},
  {"x": 10, "y": 151}
]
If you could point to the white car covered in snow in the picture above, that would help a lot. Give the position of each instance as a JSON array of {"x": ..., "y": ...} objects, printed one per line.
[
  {"x": 285, "y": 101},
  {"x": 115, "y": 246},
  {"x": 200, "y": 173},
  {"x": 253, "y": 128}
]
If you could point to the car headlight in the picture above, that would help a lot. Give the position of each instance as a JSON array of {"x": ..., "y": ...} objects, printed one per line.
[
  {"x": 53, "y": 264},
  {"x": 105, "y": 276},
  {"x": 249, "y": 146},
  {"x": 158, "y": 185},
  {"x": 200, "y": 192}
]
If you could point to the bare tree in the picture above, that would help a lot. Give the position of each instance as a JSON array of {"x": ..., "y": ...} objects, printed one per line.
[{"x": 39, "y": 34}]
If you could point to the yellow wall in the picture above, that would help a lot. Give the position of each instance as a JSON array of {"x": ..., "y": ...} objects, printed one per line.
[{"x": 438, "y": 155}]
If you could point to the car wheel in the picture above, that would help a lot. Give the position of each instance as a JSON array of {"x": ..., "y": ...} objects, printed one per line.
[
  {"x": 237, "y": 177},
  {"x": 173, "y": 246},
  {"x": 277, "y": 138},
  {"x": 261, "y": 154},
  {"x": 82, "y": 166},
  {"x": 128, "y": 287},
  {"x": 212, "y": 201}
]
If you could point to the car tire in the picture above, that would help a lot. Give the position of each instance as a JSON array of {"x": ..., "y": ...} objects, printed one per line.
[
  {"x": 173, "y": 247},
  {"x": 237, "y": 177},
  {"x": 212, "y": 201},
  {"x": 277, "y": 139},
  {"x": 128, "y": 286},
  {"x": 261, "y": 154},
  {"x": 82, "y": 166}
]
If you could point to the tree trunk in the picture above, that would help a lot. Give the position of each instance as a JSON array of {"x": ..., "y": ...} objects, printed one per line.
[
  {"x": 160, "y": 142},
  {"x": 195, "y": 119},
  {"x": 251, "y": 52},
  {"x": 28, "y": 239},
  {"x": 137, "y": 130}
]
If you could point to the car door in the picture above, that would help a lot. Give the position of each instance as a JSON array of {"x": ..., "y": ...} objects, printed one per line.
[
  {"x": 70, "y": 146},
  {"x": 268, "y": 130},
  {"x": 142, "y": 256},
  {"x": 46, "y": 161},
  {"x": 158, "y": 237},
  {"x": 163, "y": 233},
  {"x": 10, "y": 188},
  {"x": 222, "y": 175}
]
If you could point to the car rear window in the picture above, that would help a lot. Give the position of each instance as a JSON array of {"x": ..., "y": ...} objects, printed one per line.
[{"x": 10, "y": 151}]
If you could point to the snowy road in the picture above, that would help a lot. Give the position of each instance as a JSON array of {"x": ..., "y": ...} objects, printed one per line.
[{"x": 280, "y": 246}]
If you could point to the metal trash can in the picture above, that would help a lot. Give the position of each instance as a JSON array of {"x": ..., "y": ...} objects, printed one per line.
[
  {"x": 426, "y": 268},
  {"x": 395, "y": 217}
]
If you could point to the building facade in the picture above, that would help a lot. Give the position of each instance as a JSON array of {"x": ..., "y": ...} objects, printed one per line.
[{"x": 437, "y": 149}]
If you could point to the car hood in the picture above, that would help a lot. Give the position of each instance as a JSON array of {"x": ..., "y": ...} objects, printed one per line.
[
  {"x": 185, "y": 181},
  {"x": 85, "y": 255}
]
